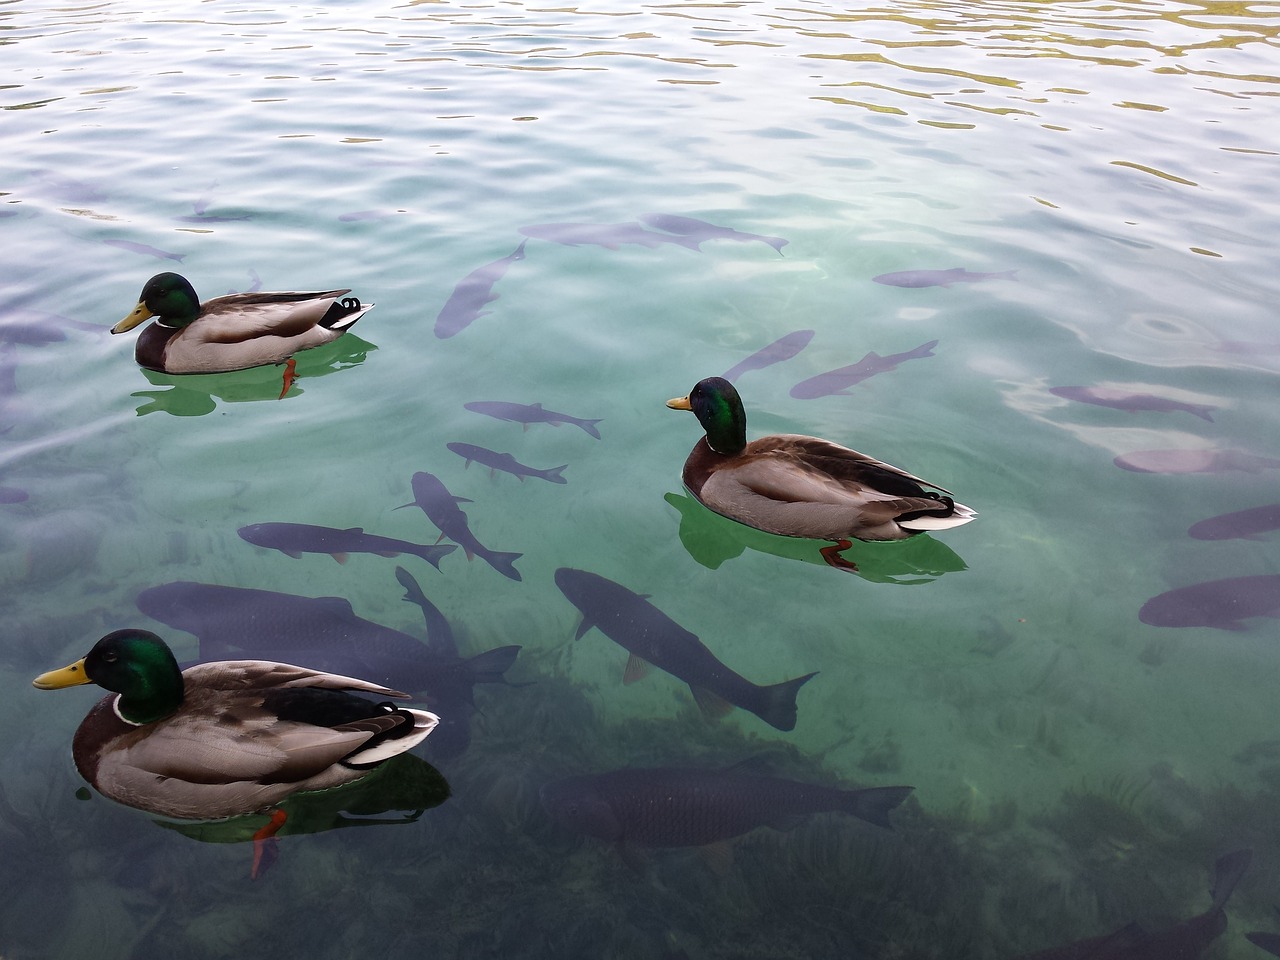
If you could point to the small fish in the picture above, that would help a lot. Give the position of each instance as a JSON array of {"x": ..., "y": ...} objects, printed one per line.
[
  {"x": 651, "y": 637},
  {"x": 1194, "y": 461},
  {"x": 31, "y": 328},
  {"x": 679, "y": 807},
  {"x": 841, "y": 379},
  {"x": 784, "y": 348},
  {"x": 1240, "y": 525},
  {"x": 368, "y": 215},
  {"x": 439, "y": 633},
  {"x": 611, "y": 236},
  {"x": 529, "y": 413},
  {"x": 1222, "y": 604},
  {"x": 144, "y": 248},
  {"x": 13, "y": 495},
  {"x": 939, "y": 278},
  {"x": 1182, "y": 941},
  {"x": 1120, "y": 399},
  {"x": 210, "y": 218},
  {"x": 504, "y": 462},
  {"x": 700, "y": 230},
  {"x": 471, "y": 294},
  {"x": 295, "y": 539},
  {"x": 441, "y": 508}
]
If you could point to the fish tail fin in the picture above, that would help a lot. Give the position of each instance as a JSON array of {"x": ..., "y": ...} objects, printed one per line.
[
  {"x": 504, "y": 563},
  {"x": 1202, "y": 410},
  {"x": 432, "y": 555},
  {"x": 489, "y": 667},
  {"x": 779, "y": 707},
  {"x": 777, "y": 243},
  {"x": 554, "y": 474},
  {"x": 873, "y": 805},
  {"x": 1227, "y": 871},
  {"x": 412, "y": 590},
  {"x": 924, "y": 350},
  {"x": 590, "y": 426}
]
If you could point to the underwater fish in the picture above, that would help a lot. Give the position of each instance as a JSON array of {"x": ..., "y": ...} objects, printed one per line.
[
  {"x": 1182, "y": 941},
  {"x": 678, "y": 807},
  {"x": 1194, "y": 461},
  {"x": 357, "y": 215},
  {"x": 651, "y": 637},
  {"x": 1240, "y": 525},
  {"x": 1269, "y": 942},
  {"x": 30, "y": 328},
  {"x": 700, "y": 230},
  {"x": 1222, "y": 604},
  {"x": 471, "y": 294},
  {"x": 239, "y": 622},
  {"x": 841, "y": 379},
  {"x": 441, "y": 508},
  {"x": 13, "y": 495},
  {"x": 505, "y": 462},
  {"x": 144, "y": 249},
  {"x": 529, "y": 413},
  {"x": 439, "y": 633},
  {"x": 784, "y": 348},
  {"x": 1119, "y": 399},
  {"x": 608, "y": 235},
  {"x": 939, "y": 278},
  {"x": 295, "y": 539}
]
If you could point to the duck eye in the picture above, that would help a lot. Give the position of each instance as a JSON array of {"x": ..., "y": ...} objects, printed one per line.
[{"x": 111, "y": 656}]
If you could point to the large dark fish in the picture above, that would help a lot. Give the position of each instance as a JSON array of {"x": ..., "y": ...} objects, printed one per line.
[
  {"x": 144, "y": 248},
  {"x": 1223, "y": 604},
  {"x": 295, "y": 539},
  {"x": 473, "y": 291},
  {"x": 651, "y": 637},
  {"x": 939, "y": 278},
  {"x": 1194, "y": 461},
  {"x": 441, "y": 508},
  {"x": 784, "y": 348},
  {"x": 1183, "y": 941},
  {"x": 1269, "y": 942},
  {"x": 528, "y": 413},
  {"x": 841, "y": 379},
  {"x": 676, "y": 807},
  {"x": 505, "y": 462},
  {"x": 322, "y": 632},
  {"x": 608, "y": 235},
  {"x": 700, "y": 230},
  {"x": 1119, "y": 399},
  {"x": 1240, "y": 525},
  {"x": 440, "y": 637}
]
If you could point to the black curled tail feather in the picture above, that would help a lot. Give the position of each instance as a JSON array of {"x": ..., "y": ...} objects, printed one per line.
[{"x": 343, "y": 313}]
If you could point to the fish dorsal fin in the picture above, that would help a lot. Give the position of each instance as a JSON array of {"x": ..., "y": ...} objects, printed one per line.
[
  {"x": 712, "y": 705},
  {"x": 460, "y": 500},
  {"x": 296, "y": 554},
  {"x": 637, "y": 669},
  {"x": 536, "y": 406},
  {"x": 718, "y": 856},
  {"x": 340, "y": 556}
]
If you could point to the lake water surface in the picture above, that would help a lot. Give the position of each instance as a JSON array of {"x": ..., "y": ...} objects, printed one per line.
[{"x": 1112, "y": 166}]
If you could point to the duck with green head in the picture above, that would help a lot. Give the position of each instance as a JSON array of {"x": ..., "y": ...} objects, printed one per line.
[
  {"x": 225, "y": 738},
  {"x": 799, "y": 486},
  {"x": 233, "y": 332}
]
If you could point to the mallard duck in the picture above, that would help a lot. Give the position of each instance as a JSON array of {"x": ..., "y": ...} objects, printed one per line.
[
  {"x": 236, "y": 331},
  {"x": 225, "y": 738},
  {"x": 800, "y": 486}
]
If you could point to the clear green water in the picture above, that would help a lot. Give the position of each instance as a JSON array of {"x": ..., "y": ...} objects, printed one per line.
[{"x": 1074, "y": 768}]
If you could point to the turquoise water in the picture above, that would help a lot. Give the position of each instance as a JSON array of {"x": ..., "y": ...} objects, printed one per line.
[{"x": 1074, "y": 768}]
